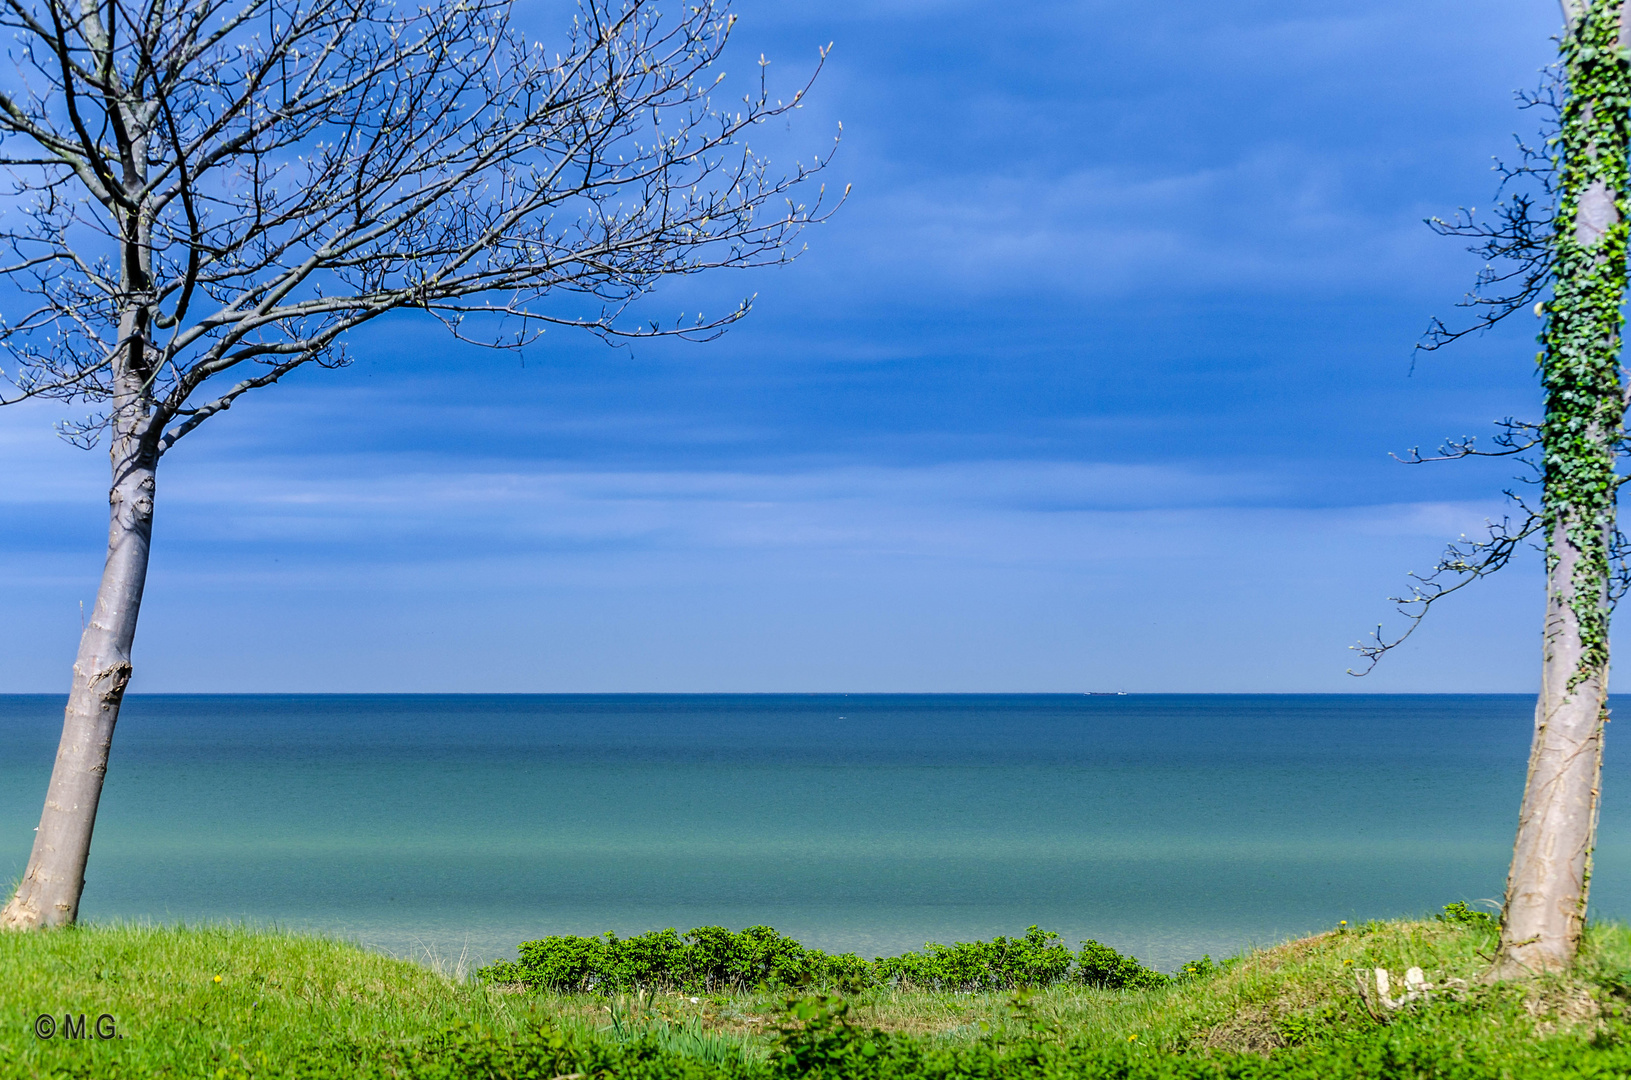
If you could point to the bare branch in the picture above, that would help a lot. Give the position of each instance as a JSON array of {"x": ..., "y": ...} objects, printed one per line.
[
  {"x": 1514, "y": 241},
  {"x": 1463, "y": 562},
  {"x": 1514, "y": 438},
  {"x": 213, "y": 183}
]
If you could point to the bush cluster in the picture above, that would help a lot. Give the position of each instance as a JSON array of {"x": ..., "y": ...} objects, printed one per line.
[
  {"x": 706, "y": 959},
  {"x": 1459, "y": 914},
  {"x": 1101, "y": 966},
  {"x": 712, "y": 958}
]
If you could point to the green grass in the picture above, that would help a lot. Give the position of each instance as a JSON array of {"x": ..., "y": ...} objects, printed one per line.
[
  {"x": 277, "y": 993},
  {"x": 290, "y": 1005}
]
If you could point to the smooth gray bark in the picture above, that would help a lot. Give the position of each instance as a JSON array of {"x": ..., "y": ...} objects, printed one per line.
[
  {"x": 51, "y": 886},
  {"x": 54, "y": 879},
  {"x": 1547, "y": 885}
]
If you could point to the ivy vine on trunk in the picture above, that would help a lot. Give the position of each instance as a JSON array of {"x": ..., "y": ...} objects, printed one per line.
[{"x": 1580, "y": 438}]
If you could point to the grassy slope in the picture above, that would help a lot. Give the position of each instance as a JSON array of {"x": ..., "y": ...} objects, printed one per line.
[{"x": 285, "y": 999}]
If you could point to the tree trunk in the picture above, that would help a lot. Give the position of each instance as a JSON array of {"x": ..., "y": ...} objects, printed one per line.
[
  {"x": 1551, "y": 862},
  {"x": 51, "y": 886},
  {"x": 1545, "y": 910}
]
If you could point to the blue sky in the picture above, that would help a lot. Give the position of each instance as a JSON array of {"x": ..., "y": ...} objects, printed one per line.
[{"x": 1091, "y": 385}]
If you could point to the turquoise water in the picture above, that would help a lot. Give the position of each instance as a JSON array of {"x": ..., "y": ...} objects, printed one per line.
[{"x": 432, "y": 826}]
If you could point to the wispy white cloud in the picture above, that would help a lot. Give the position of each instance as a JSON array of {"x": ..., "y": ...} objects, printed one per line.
[
  {"x": 371, "y": 571},
  {"x": 1123, "y": 149},
  {"x": 1111, "y": 232}
]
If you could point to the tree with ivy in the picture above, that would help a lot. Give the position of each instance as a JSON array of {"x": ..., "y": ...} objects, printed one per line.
[
  {"x": 208, "y": 195},
  {"x": 1580, "y": 439},
  {"x": 1564, "y": 250}
]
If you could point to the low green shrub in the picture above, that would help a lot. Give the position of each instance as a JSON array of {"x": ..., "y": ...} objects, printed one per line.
[
  {"x": 1462, "y": 915},
  {"x": 1101, "y": 966},
  {"x": 712, "y": 958},
  {"x": 703, "y": 960},
  {"x": 1037, "y": 959}
]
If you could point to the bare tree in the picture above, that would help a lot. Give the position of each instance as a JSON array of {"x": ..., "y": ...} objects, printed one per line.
[
  {"x": 207, "y": 194},
  {"x": 1572, "y": 243}
]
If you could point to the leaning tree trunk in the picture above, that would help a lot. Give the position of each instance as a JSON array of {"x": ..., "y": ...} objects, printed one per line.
[
  {"x": 1546, "y": 890},
  {"x": 51, "y": 886},
  {"x": 1551, "y": 862}
]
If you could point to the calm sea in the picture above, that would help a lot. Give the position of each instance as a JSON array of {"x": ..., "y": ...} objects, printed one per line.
[{"x": 432, "y": 826}]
